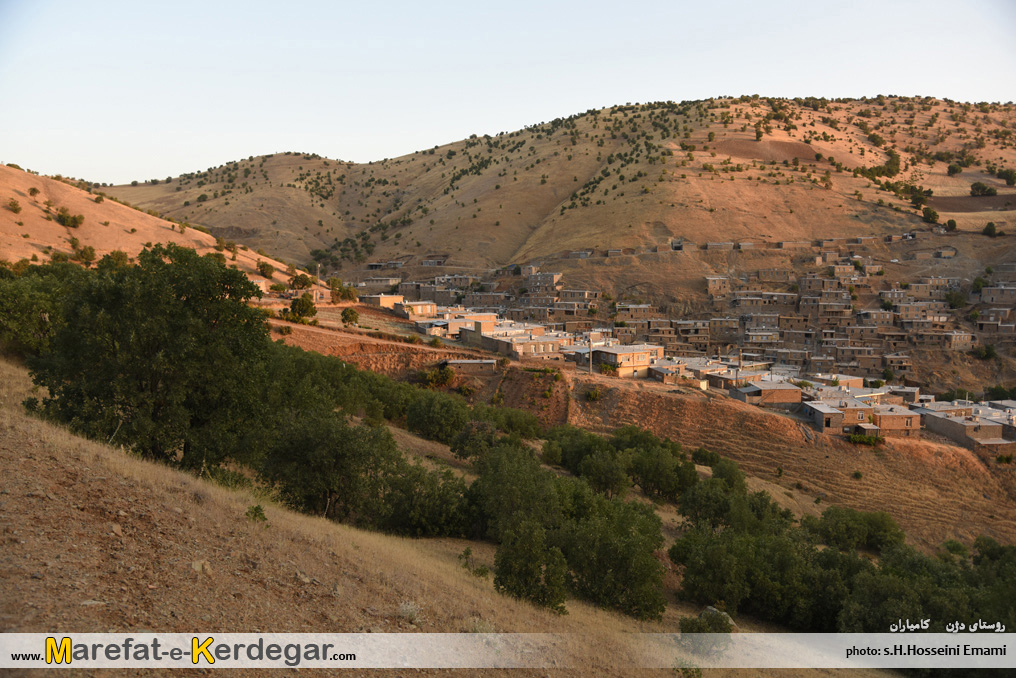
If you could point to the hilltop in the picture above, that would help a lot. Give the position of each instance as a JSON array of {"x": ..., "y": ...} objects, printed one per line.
[{"x": 629, "y": 177}]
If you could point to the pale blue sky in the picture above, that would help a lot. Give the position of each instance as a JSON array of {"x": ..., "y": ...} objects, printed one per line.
[{"x": 113, "y": 90}]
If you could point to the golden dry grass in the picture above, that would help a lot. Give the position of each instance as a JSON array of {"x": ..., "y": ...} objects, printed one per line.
[{"x": 108, "y": 226}]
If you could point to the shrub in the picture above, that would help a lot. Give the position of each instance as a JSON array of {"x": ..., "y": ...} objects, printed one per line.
[
  {"x": 708, "y": 622},
  {"x": 862, "y": 439},
  {"x": 705, "y": 457},
  {"x": 955, "y": 299},
  {"x": 350, "y": 316},
  {"x": 266, "y": 269},
  {"x": 929, "y": 215},
  {"x": 14, "y": 206},
  {"x": 526, "y": 568},
  {"x": 980, "y": 188},
  {"x": 304, "y": 306},
  {"x": 256, "y": 513},
  {"x": 437, "y": 416},
  {"x": 990, "y": 230},
  {"x": 65, "y": 218}
]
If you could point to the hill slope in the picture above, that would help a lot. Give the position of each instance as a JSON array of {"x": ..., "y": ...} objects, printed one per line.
[
  {"x": 35, "y": 230},
  {"x": 633, "y": 176}
]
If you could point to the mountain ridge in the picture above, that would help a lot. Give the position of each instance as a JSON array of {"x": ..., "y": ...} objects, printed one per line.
[{"x": 633, "y": 176}]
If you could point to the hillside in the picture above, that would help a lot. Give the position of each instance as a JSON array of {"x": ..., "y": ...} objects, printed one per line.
[
  {"x": 117, "y": 544},
  {"x": 36, "y": 234},
  {"x": 935, "y": 490},
  {"x": 629, "y": 177}
]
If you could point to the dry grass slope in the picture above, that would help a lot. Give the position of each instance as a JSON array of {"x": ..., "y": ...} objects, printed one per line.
[{"x": 620, "y": 177}]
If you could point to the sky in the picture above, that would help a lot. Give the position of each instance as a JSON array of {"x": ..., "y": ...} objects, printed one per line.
[{"x": 113, "y": 91}]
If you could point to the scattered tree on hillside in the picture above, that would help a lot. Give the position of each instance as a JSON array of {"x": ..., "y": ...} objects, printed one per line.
[
  {"x": 980, "y": 188},
  {"x": 303, "y": 307},
  {"x": 266, "y": 269}
]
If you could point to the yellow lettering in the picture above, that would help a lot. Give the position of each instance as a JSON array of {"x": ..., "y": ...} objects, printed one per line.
[
  {"x": 202, "y": 649},
  {"x": 58, "y": 654}
]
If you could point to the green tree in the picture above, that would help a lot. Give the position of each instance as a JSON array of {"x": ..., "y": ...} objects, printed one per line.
[
  {"x": 437, "y": 416},
  {"x": 980, "y": 188},
  {"x": 955, "y": 299},
  {"x": 266, "y": 269},
  {"x": 350, "y": 316},
  {"x": 954, "y": 169},
  {"x": 130, "y": 363},
  {"x": 304, "y": 306},
  {"x": 301, "y": 281},
  {"x": 512, "y": 487},
  {"x": 323, "y": 466},
  {"x": 929, "y": 215},
  {"x": 31, "y": 307},
  {"x": 65, "y": 218},
  {"x": 606, "y": 472},
  {"x": 14, "y": 206},
  {"x": 990, "y": 230},
  {"x": 526, "y": 567},
  {"x": 610, "y": 551}
]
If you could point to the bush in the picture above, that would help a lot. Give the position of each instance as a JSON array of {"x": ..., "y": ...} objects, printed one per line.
[
  {"x": 526, "y": 567},
  {"x": 707, "y": 622},
  {"x": 441, "y": 376},
  {"x": 979, "y": 188},
  {"x": 610, "y": 552},
  {"x": 437, "y": 416},
  {"x": 954, "y": 169},
  {"x": 303, "y": 307},
  {"x": 14, "y": 206},
  {"x": 929, "y": 215},
  {"x": 705, "y": 457},
  {"x": 955, "y": 299},
  {"x": 862, "y": 439},
  {"x": 425, "y": 503},
  {"x": 350, "y": 316},
  {"x": 950, "y": 225},
  {"x": 986, "y": 352},
  {"x": 266, "y": 269},
  {"x": 65, "y": 218},
  {"x": 990, "y": 230}
]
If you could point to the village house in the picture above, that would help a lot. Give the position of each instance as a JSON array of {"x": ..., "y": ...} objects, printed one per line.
[
  {"x": 896, "y": 421},
  {"x": 627, "y": 361},
  {"x": 779, "y": 394}
]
